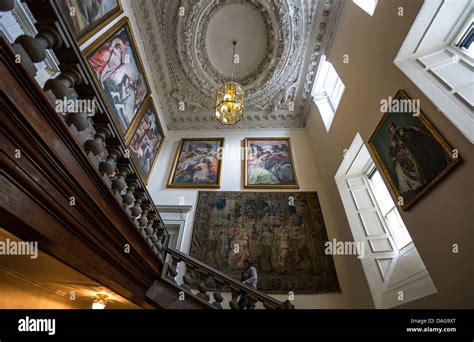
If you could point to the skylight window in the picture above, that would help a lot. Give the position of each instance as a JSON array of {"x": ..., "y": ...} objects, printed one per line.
[
  {"x": 367, "y": 5},
  {"x": 327, "y": 91}
]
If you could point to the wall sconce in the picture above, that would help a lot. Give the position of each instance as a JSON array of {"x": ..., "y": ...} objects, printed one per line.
[{"x": 99, "y": 302}]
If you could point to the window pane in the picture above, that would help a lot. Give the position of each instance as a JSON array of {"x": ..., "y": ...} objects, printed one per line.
[
  {"x": 393, "y": 219},
  {"x": 381, "y": 193},
  {"x": 327, "y": 91},
  {"x": 398, "y": 229}
]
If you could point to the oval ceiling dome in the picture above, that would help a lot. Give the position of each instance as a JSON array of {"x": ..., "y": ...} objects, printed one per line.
[{"x": 240, "y": 22}]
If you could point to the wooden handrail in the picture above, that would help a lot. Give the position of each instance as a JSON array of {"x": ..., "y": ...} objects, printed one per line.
[{"x": 224, "y": 278}]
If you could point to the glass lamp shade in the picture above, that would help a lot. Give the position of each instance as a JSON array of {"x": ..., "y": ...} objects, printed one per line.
[
  {"x": 99, "y": 302},
  {"x": 98, "y": 306},
  {"x": 229, "y": 107}
]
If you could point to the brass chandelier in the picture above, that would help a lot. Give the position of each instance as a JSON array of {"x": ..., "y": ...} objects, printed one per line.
[{"x": 229, "y": 108}]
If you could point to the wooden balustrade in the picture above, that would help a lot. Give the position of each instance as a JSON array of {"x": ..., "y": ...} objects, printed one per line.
[
  {"x": 95, "y": 132},
  {"x": 199, "y": 278}
]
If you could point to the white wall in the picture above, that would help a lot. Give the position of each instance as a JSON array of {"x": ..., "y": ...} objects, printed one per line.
[
  {"x": 231, "y": 180},
  {"x": 444, "y": 216}
]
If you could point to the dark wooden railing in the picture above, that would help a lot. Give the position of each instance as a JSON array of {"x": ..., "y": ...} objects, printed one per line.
[
  {"x": 199, "y": 278},
  {"x": 96, "y": 134}
]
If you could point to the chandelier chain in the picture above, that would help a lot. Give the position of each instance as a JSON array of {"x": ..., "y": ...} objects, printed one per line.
[{"x": 234, "y": 42}]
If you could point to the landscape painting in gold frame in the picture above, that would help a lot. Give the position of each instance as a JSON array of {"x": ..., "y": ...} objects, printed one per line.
[
  {"x": 86, "y": 18},
  {"x": 411, "y": 153},
  {"x": 147, "y": 139},
  {"x": 268, "y": 164},
  {"x": 197, "y": 163},
  {"x": 115, "y": 61}
]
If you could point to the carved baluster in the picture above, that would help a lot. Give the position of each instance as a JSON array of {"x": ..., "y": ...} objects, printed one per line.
[
  {"x": 286, "y": 305},
  {"x": 234, "y": 302},
  {"x": 97, "y": 144},
  {"x": 157, "y": 246},
  {"x": 148, "y": 231},
  {"x": 188, "y": 278},
  {"x": 268, "y": 305},
  {"x": 33, "y": 50},
  {"x": 108, "y": 166},
  {"x": 172, "y": 269},
  {"x": 80, "y": 120},
  {"x": 202, "y": 286},
  {"x": 128, "y": 197},
  {"x": 136, "y": 210},
  {"x": 143, "y": 220},
  {"x": 251, "y": 301},
  {"x": 63, "y": 85},
  {"x": 119, "y": 184},
  {"x": 217, "y": 294},
  {"x": 160, "y": 233}
]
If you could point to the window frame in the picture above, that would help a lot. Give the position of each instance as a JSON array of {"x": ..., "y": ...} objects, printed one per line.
[
  {"x": 323, "y": 97},
  {"x": 467, "y": 32},
  {"x": 370, "y": 172}
]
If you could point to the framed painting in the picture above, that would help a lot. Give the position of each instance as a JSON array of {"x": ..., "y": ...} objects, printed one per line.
[
  {"x": 412, "y": 154},
  {"x": 268, "y": 164},
  {"x": 147, "y": 139},
  {"x": 197, "y": 163},
  {"x": 115, "y": 61},
  {"x": 87, "y": 17}
]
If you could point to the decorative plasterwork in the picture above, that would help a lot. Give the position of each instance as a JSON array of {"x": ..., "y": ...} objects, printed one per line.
[{"x": 277, "y": 92}]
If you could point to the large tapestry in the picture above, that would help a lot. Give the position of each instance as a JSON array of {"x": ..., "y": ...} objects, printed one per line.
[{"x": 283, "y": 233}]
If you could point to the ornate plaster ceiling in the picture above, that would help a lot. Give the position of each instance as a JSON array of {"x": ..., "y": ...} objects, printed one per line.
[{"x": 188, "y": 44}]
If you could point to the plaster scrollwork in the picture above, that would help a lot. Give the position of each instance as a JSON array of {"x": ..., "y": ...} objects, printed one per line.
[{"x": 276, "y": 92}]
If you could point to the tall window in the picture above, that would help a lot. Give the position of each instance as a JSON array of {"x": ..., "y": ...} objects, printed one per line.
[
  {"x": 397, "y": 228},
  {"x": 437, "y": 56},
  {"x": 327, "y": 91},
  {"x": 367, "y": 5}
]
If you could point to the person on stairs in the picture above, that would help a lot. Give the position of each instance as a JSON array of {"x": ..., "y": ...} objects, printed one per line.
[{"x": 248, "y": 277}]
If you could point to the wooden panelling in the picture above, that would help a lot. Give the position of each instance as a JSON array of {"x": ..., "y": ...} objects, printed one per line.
[{"x": 35, "y": 192}]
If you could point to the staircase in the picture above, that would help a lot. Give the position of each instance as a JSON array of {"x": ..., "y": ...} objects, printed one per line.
[
  {"x": 197, "y": 278},
  {"x": 67, "y": 182}
]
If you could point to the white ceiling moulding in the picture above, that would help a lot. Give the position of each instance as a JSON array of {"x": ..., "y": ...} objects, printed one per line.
[
  {"x": 189, "y": 46},
  {"x": 430, "y": 58}
]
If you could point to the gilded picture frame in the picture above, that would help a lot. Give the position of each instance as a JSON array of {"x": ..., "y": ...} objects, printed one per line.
[
  {"x": 130, "y": 72},
  {"x": 147, "y": 140},
  {"x": 411, "y": 154},
  {"x": 73, "y": 12},
  {"x": 197, "y": 164},
  {"x": 281, "y": 174}
]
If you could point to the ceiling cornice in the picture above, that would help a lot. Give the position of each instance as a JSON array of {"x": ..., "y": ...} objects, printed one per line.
[{"x": 277, "y": 93}]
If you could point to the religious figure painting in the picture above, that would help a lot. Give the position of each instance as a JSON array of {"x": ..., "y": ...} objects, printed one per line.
[
  {"x": 282, "y": 233},
  {"x": 116, "y": 63},
  {"x": 268, "y": 163},
  {"x": 87, "y": 17},
  {"x": 147, "y": 139},
  {"x": 412, "y": 154},
  {"x": 197, "y": 163}
]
